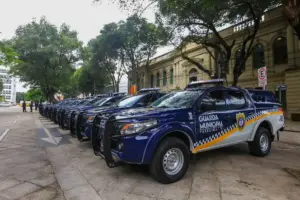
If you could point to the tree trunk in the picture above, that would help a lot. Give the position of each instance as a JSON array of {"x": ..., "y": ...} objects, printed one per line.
[
  {"x": 235, "y": 80},
  {"x": 237, "y": 72}
]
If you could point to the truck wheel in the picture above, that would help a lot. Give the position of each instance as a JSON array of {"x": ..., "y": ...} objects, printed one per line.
[
  {"x": 261, "y": 145},
  {"x": 171, "y": 161}
]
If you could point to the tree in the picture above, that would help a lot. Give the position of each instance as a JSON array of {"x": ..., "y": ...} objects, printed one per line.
[
  {"x": 20, "y": 96},
  {"x": 139, "y": 41},
  {"x": 48, "y": 55},
  {"x": 86, "y": 81},
  {"x": 34, "y": 94},
  {"x": 201, "y": 22},
  {"x": 291, "y": 10},
  {"x": 106, "y": 54},
  {"x": 7, "y": 54},
  {"x": 1, "y": 85}
]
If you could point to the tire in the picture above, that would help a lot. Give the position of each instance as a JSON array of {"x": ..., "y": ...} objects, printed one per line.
[
  {"x": 257, "y": 147},
  {"x": 171, "y": 146}
]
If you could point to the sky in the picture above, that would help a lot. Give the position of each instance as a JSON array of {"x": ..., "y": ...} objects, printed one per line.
[{"x": 84, "y": 16}]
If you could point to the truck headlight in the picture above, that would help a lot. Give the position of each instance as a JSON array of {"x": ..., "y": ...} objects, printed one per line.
[
  {"x": 90, "y": 118},
  {"x": 133, "y": 128}
]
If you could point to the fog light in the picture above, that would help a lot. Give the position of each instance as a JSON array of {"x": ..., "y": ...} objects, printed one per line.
[{"x": 120, "y": 146}]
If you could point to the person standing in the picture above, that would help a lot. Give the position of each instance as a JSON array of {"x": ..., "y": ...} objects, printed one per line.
[
  {"x": 31, "y": 105},
  {"x": 36, "y": 105},
  {"x": 24, "y": 106}
]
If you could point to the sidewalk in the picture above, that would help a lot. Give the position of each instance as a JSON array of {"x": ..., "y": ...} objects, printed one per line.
[{"x": 292, "y": 126}]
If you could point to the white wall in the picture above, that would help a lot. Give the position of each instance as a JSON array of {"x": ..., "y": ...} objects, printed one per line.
[{"x": 9, "y": 83}]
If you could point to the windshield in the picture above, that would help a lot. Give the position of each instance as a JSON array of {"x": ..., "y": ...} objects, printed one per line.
[
  {"x": 128, "y": 102},
  {"x": 183, "y": 99},
  {"x": 99, "y": 102},
  {"x": 158, "y": 101},
  {"x": 89, "y": 102}
]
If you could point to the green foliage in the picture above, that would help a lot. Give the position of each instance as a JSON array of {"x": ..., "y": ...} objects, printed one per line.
[
  {"x": 20, "y": 96},
  {"x": 190, "y": 21},
  {"x": 7, "y": 54},
  {"x": 200, "y": 21},
  {"x": 88, "y": 81},
  {"x": 106, "y": 54},
  {"x": 34, "y": 95},
  {"x": 1, "y": 85},
  {"x": 47, "y": 55},
  {"x": 124, "y": 46},
  {"x": 139, "y": 41}
]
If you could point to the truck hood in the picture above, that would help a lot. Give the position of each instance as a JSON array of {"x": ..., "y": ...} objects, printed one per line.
[
  {"x": 165, "y": 114},
  {"x": 97, "y": 110}
]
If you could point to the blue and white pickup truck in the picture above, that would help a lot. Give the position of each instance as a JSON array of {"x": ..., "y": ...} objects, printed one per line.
[{"x": 197, "y": 119}]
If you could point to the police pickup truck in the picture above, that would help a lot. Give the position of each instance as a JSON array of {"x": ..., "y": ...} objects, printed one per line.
[
  {"x": 85, "y": 120},
  {"x": 187, "y": 122}
]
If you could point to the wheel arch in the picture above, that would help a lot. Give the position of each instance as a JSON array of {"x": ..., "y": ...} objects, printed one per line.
[
  {"x": 265, "y": 124},
  {"x": 181, "y": 134}
]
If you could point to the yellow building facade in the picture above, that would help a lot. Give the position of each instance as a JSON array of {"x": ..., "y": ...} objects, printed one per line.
[{"x": 276, "y": 47}]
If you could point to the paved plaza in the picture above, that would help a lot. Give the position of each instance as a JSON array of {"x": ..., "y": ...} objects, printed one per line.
[{"x": 40, "y": 161}]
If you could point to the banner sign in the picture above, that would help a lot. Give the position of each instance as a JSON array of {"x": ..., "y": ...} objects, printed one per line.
[{"x": 262, "y": 77}]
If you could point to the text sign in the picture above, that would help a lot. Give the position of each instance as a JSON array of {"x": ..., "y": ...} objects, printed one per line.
[{"x": 262, "y": 77}]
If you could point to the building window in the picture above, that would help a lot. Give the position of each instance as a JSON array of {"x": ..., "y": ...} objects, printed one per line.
[
  {"x": 258, "y": 56},
  {"x": 171, "y": 77},
  {"x": 280, "y": 53},
  {"x": 193, "y": 75},
  {"x": 152, "y": 81},
  {"x": 157, "y": 80},
  {"x": 164, "y": 78}
]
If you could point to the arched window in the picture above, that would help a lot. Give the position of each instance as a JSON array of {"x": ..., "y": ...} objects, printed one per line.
[
  {"x": 152, "y": 81},
  {"x": 193, "y": 75},
  {"x": 171, "y": 76},
  {"x": 157, "y": 80},
  {"x": 280, "y": 54},
  {"x": 258, "y": 56},
  {"x": 164, "y": 78}
]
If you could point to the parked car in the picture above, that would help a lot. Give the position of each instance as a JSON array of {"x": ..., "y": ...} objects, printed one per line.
[
  {"x": 85, "y": 120},
  {"x": 200, "y": 118},
  {"x": 69, "y": 120},
  {"x": 5, "y": 104},
  {"x": 61, "y": 112}
]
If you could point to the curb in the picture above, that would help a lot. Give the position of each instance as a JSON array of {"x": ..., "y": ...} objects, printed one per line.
[{"x": 291, "y": 130}]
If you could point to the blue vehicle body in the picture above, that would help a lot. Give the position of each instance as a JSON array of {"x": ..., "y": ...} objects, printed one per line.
[
  {"x": 202, "y": 118},
  {"x": 84, "y": 128},
  {"x": 97, "y": 102},
  {"x": 69, "y": 111},
  {"x": 62, "y": 111}
]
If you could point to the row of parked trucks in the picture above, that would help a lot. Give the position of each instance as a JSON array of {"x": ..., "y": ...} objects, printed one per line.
[{"x": 163, "y": 130}]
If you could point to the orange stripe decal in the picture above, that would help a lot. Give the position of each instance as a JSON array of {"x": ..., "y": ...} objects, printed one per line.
[{"x": 234, "y": 130}]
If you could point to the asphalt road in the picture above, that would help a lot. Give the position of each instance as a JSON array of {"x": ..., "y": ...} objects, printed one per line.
[{"x": 9, "y": 116}]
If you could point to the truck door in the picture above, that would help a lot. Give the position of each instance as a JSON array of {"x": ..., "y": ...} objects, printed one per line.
[
  {"x": 239, "y": 108},
  {"x": 212, "y": 118}
]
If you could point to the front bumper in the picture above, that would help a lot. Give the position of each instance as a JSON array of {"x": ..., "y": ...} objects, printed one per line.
[
  {"x": 120, "y": 149},
  {"x": 83, "y": 127},
  {"x": 67, "y": 122}
]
